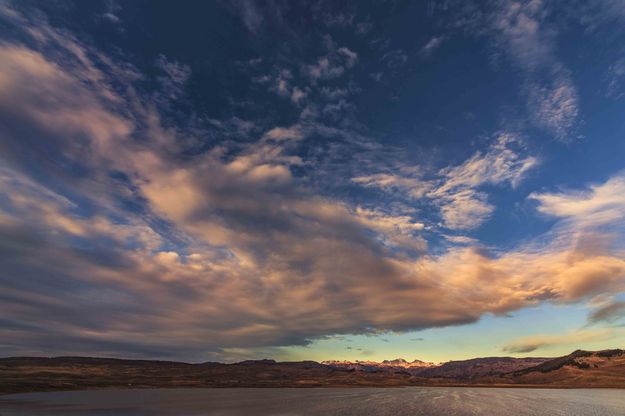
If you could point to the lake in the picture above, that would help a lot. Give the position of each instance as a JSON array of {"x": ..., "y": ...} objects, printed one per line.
[{"x": 431, "y": 401}]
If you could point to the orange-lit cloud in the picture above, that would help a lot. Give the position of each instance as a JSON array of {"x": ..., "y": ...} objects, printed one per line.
[{"x": 573, "y": 339}]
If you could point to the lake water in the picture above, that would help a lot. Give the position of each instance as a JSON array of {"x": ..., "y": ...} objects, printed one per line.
[{"x": 431, "y": 401}]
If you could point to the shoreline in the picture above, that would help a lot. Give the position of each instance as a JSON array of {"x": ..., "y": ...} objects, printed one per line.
[{"x": 578, "y": 370}]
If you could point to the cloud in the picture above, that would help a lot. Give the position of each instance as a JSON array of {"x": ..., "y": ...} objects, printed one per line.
[
  {"x": 415, "y": 186},
  {"x": 456, "y": 188},
  {"x": 324, "y": 69},
  {"x": 338, "y": 19},
  {"x": 281, "y": 133},
  {"x": 539, "y": 342},
  {"x": 555, "y": 107},
  {"x": 462, "y": 206},
  {"x": 250, "y": 14},
  {"x": 519, "y": 27},
  {"x": 111, "y": 13},
  {"x": 598, "y": 14},
  {"x": 398, "y": 231},
  {"x": 234, "y": 127},
  {"x": 350, "y": 56},
  {"x": 522, "y": 31},
  {"x": 298, "y": 95},
  {"x": 27, "y": 77},
  {"x": 246, "y": 227},
  {"x": 176, "y": 75},
  {"x": 284, "y": 255},
  {"x": 179, "y": 73},
  {"x": 434, "y": 43},
  {"x": 338, "y": 109},
  {"x": 614, "y": 78},
  {"x": 281, "y": 83},
  {"x": 465, "y": 209},
  {"x": 503, "y": 162},
  {"x": 609, "y": 312},
  {"x": 461, "y": 239},
  {"x": 300, "y": 250},
  {"x": 599, "y": 204},
  {"x": 394, "y": 59},
  {"x": 332, "y": 65},
  {"x": 334, "y": 94}
]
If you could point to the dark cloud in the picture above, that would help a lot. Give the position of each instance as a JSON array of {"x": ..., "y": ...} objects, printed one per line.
[
  {"x": 610, "y": 312},
  {"x": 522, "y": 349}
]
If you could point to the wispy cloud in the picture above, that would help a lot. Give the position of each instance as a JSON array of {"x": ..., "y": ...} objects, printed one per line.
[
  {"x": 250, "y": 13},
  {"x": 555, "y": 106},
  {"x": 597, "y": 205},
  {"x": 522, "y": 31},
  {"x": 175, "y": 76},
  {"x": 456, "y": 189},
  {"x": 461, "y": 239},
  {"x": 615, "y": 77},
  {"x": 462, "y": 205},
  {"x": 414, "y": 185},
  {"x": 326, "y": 67},
  {"x": 609, "y": 312},
  {"x": 434, "y": 43},
  {"x": 111, "y": 13},
  {"x": 539, "y": 342}
]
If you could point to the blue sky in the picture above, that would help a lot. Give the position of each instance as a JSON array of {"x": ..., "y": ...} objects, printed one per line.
[{"x": 311, "y": 180}]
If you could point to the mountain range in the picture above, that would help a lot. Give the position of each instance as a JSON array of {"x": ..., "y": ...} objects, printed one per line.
[
  {"x": 398, "y": 364},
  {"x": 580, "y": 369},
  {"x": 464, "y": 369}
]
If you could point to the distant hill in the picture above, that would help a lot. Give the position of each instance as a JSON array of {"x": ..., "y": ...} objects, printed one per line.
[
  {"x": 581, "y": 368},
  {"x": 578, "y": 369},
  {"x": 480, "y": 367},
  {"x": 21, "y": 374}
]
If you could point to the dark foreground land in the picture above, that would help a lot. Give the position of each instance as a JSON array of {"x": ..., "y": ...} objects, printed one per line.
[{"x": 581, "y": 369}]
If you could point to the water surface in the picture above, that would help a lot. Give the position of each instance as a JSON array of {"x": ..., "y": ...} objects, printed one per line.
[{"x": 431, "y": 401}]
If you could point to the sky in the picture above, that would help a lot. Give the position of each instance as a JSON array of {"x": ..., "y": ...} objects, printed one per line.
[{"x": 230, "y": 180}]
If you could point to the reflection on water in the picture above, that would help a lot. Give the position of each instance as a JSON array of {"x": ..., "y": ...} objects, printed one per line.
[{"x": 331, "y": 401}]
